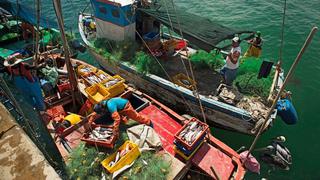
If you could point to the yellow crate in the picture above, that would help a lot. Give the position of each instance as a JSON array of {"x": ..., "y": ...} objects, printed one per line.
[
  {"x": 176, "y": 150},
  {"x": 97, "y": 93},
  {"x": 180, "y": 80},
  {"x": 117, "y": 88},
  {"x": 80, "y": 72},
  {"x": 103, "y": 75},
  {"x": 127, "y": 159}
]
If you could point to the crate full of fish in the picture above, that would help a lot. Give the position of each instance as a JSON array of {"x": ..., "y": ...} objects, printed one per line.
[
  {"x": 100, "y": 135},
  {"x": 97, "y": 93},
  {"x": 85, "y": 69},
  {"x": 91, "y": 79},
  {"x": 125, "y": 155},
  {"x": 191, "y": 133},
  {"x": 115, "y": 86},
  {"x": 103, "y": 75}
]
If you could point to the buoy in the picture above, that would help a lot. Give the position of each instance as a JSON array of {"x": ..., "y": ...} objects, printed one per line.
[{"x": 287, "y": 112}]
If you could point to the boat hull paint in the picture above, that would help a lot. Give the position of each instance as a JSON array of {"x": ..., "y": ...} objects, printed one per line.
[{"x": 231, "y": 121}]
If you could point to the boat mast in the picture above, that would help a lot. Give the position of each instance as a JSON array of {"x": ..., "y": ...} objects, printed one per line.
[
  {"x": 36, "y": 57},
  {"x": 292, "y": 68},
  {"x": 71, "y": 74}
]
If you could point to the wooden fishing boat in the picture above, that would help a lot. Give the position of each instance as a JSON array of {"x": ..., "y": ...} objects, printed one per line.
[
  {"x": 242, "y": 117},
  {"x": 213, "y": 154}
]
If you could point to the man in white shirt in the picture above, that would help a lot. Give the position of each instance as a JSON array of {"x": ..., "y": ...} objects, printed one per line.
[{"x": 229, "y": 70}]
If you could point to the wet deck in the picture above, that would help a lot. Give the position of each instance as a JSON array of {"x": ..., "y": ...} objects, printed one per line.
[{"x": 19, "y": 157}]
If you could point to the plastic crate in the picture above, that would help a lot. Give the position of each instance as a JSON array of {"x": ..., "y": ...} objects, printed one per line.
[
  {"x": 187, "y": 151},
  {"x": 97, "y": 93},
  {"x": 107, "y": 143},
  {"x": 184, "y": 156},
  {"x": 89, "y": 82},
  {"x": 64, "y": 87},
  {"x": 103, "y": 75},
  {"x": 185, "y": 144},
  {"x": 117, "y": 88},
  {"x": 81, "y": 72},
  {"x": 127, "y": 159},
  {"x": 180, "y": 79}
]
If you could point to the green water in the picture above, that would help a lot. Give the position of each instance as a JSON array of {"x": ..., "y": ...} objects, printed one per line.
[{"x": 265, "y": 16}]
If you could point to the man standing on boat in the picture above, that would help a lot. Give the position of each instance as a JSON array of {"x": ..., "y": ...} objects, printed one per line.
[
  {"x": 255, "y": 49},
  {"x": 229, "y": 70},
  {"x": 118, "y": 107}
]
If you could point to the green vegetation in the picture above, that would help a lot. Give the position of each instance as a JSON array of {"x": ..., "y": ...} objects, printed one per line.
[{"x": 8, "y": 36}]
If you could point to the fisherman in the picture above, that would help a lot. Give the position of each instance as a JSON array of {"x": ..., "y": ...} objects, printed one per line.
[
  {"x": 25, "y": 81},
  {"x": 229, "y": 70},
  {"x": 118, "y": 107},
  {"x": 49, "y": 77},
  {"x": 255, "y": 47},
  {"x": 277, "y": 154}
]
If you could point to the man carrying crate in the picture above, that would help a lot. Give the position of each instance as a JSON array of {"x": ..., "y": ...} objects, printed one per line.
[{"x": 118, "y": 107}]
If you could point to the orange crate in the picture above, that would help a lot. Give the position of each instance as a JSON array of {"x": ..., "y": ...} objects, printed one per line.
[
  {"x": 127, "y": 159},
  {"x": 117, "y": 88},
  {"x": 97, "y": 93},
  {"x": 106, "y": 143}
]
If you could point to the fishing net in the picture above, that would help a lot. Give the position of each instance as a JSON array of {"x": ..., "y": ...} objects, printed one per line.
[
  {"x": 146, "y": 64},
  {"x": 247, "y": 81},
  {"x": 148, "y": 166},
  {"x": 202, "y": 59}
]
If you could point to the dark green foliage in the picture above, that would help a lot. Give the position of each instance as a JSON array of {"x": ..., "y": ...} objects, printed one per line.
[
  {"x": 84, "y": 163},
  {"x": 146, "y": 64},
  {"x": 8, "y": 36},
  {"x": 247, "y": 81},
  {"x": 156, "y": 167},
  {"x": 203, "y": 59}
]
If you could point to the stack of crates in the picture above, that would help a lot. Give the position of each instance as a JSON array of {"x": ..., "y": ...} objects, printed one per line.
[
  {"x": 183, "y": 148},
  {"x": 116, "y": 88}
]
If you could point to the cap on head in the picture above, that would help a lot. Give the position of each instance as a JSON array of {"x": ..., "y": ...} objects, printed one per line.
[
  {"x": 236, "y": 39},
  {"x": 258, "y": 34},
  {"x": 98, "y": 108}
]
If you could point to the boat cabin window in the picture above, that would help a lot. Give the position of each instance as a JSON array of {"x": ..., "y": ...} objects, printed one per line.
[
  {"x": 103, "y": 10},
  {"x": 115, "y": 13}
]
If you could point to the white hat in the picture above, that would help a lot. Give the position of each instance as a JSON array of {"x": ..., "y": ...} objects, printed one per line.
[
  {"x": 11, "y": 61},
  {"x": 236, "y": 39}
]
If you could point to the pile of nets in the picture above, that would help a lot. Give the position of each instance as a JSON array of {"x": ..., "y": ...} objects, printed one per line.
[
  {"x": 203, "y": 59},
  {"x": 247, "y": 81},
  {"x": 128, "y": 51}
]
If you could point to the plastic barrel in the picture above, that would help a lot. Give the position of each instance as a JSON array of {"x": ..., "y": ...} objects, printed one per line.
[{"x": 287, "y": 112}]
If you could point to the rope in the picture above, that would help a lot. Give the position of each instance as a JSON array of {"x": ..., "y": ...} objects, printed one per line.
[{"x": 191, "y": 69}]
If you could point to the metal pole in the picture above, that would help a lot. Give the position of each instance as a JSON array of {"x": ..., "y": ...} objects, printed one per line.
[
  {"x": 71, "y": 74},
  {"x": 35, "y": 62},
  {"x": 293, "y": 66}
]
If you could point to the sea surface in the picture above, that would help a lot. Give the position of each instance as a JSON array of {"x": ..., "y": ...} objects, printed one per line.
[{"x": 303, "y": 139}]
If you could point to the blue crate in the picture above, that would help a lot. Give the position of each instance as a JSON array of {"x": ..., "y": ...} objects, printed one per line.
[{"x": 187, "y": 151}]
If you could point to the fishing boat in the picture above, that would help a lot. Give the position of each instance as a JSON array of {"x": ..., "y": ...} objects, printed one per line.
[
  {"x": 178, "y": 83},
  {"x": 19, "y": 28},
  {"x": 224, "y": 160}
]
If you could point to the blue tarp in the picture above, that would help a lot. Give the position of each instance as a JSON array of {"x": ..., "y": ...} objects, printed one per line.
[{"x": 27, "y": 14}]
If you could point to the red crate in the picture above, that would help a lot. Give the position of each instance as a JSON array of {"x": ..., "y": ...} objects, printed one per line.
[
  {"x": 107, "y": 144},
  {"x": 64, "y": 86},
  {"x": 185, "y": 144}
]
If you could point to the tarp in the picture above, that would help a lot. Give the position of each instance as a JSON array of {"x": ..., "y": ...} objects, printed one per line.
[
  {"x": 200, "y": 31},
  {"x": 24, "y": 12}
]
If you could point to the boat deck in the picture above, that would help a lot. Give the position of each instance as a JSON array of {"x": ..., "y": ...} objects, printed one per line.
[{"x": 207, "y": 80}]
